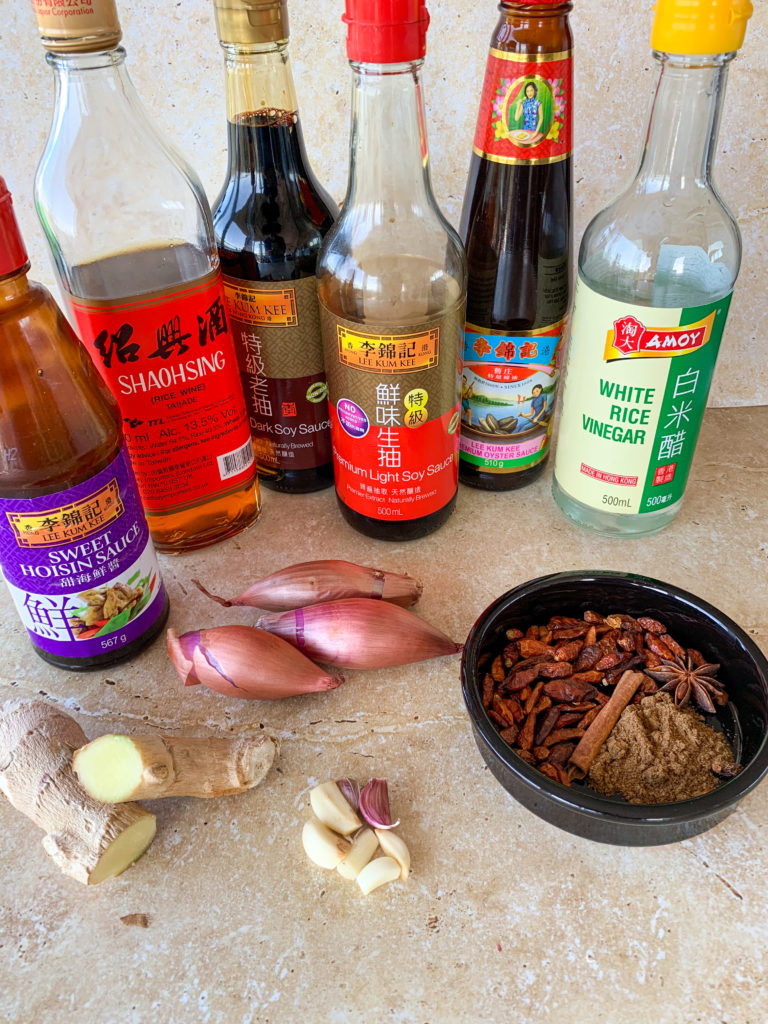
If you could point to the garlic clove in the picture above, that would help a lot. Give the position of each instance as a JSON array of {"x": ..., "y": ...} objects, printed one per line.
[
  {"x": 332, "y": 809},
  {"x": 364, "y": 845},
  {"x": 394, "y": 847},
  {"x": 350, "y": 789},
  {"x": 377, "y": 872},
  {"x": 374, "y": 804},
  {"x": 323, "y": 847}
]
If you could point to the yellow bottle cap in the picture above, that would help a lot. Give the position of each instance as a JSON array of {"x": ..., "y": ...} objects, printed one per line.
[{"x": 699, "y": 26}]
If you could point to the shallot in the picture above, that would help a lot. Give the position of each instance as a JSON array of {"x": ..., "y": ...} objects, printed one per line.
[
  {"x": 359, "y": 633},
  {"x": 240, "y": 661},
  {"x": 324, "y": 580}
]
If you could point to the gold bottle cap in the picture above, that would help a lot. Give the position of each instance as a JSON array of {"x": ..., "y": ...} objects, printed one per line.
[
  {"x": 79, "y": 26},
  {"x": 251, "y": 21}
]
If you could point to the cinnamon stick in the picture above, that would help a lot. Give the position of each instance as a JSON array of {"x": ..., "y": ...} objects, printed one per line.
[{"x": 599, "y": 730}]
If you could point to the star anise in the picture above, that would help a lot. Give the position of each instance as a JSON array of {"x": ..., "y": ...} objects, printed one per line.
[{"x": 687, "y": 680}]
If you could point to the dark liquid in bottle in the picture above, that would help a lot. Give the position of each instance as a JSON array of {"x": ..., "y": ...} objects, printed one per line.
[
  {"x": 516, "y": 227},
  {"x": 516, "y": 224},
  {"x": 270, "y": 220}
]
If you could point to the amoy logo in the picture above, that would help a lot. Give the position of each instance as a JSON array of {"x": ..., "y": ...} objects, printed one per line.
[{"x": 631, "y": 339}]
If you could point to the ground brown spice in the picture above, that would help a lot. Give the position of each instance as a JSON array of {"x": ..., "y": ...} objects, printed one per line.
[{"x": 658, "y": 753}]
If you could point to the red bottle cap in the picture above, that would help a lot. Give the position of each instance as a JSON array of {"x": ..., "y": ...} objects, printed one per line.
[
  {"x": 13, "y": 254},
  {"x": 386, "y": 31}
]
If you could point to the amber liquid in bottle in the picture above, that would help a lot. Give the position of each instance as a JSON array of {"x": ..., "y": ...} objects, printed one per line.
[
  {"x": 59, "y": 425},
  {"x": 270, "y": 220},
  {"x": 516, "y": 227},
  {"x": 135, "y": 275}
]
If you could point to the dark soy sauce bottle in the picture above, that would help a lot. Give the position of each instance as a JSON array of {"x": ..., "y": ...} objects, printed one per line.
[
  {"x": 270, "y": 219},
  {"x": 516, "y": 228}
]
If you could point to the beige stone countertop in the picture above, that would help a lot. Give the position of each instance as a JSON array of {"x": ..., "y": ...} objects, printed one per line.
[{"x": 505, "y": 918}]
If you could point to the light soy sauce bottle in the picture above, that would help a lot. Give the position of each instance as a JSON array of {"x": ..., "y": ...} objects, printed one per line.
[{"x": 392, "y": 286}]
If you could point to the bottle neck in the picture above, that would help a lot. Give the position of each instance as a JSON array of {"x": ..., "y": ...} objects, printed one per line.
[
  {"x": 389, "y": 155},
  {"x": 683, "y": 122},
  {"x": 14, "y": 286},
  {"x": 258, "y": 79},
  {"x": 91, "y": 81}
]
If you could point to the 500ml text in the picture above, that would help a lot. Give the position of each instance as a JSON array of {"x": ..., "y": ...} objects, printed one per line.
[{"x": 611, "y": 499}]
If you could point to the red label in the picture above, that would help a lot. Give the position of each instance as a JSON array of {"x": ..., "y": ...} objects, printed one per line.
[
  {"x": 630, "y": 337},
  {"x": 381, "y": 472},
  {"x": 525, "y": 108},
  {"x": 169, "y": 360}
]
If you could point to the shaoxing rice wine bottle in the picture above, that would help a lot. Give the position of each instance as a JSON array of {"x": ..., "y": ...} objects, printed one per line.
[{"x": 133, "y": 247}]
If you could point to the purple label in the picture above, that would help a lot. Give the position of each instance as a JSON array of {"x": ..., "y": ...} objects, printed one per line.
[
  {"x": 80, "y": 565},
  {"x": 352, "y": 418}
]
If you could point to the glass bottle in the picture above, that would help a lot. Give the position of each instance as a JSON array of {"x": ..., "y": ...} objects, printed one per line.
[
  {"x": 74, "y": 542},
  {"x": 656, "y": 273},
  {"x": 270, "y": 219},
  {"x": 392, "y": 287},
  {"x": 133, "y": 247},
  {"x": 516, "y": 226}
]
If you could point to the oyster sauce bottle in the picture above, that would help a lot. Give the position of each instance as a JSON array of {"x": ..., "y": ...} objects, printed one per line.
[{"x": 516, "y": 226}]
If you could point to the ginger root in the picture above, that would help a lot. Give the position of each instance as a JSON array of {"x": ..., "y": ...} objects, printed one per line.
[
  {"x": 87, "y": 839},
  {"x": 116, "y": 768}
]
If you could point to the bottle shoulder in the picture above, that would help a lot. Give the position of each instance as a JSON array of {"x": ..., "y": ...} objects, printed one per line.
[
  {"x": 58, "y": 423},
  {"x": 661, "y": 248}
]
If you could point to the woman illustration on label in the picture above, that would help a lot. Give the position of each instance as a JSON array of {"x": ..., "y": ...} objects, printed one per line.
[
  {"x": 467, "y": 390},
  {"x": 538, "y": 404},
  {"x": 530, "y": 109}
]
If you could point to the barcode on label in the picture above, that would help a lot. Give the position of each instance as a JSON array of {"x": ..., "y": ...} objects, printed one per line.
[{"x": 235, "y": 462}]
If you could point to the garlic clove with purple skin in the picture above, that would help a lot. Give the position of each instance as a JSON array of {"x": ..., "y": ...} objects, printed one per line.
[
  {"x": 374, "y": 804},
  {"x": 350, "y": 789}
]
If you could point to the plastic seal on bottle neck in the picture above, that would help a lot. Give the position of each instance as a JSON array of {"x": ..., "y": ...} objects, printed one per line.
[
  {"x": 13, "y": 252},
  {"x": 89, "y": 29},
  {"x": 244, "y": 22},
  {"x": 699, "y": 26},
  {"x": 386, "y": 31}
]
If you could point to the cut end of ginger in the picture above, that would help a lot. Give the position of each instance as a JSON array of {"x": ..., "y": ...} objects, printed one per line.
[
  {"x": 109, "y": 768},
  {"x": 126, "y": 849}
]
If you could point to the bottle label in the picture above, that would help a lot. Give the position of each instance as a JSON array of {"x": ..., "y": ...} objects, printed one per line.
[
  {"x": 280, "y": 353},
  {"x": 508, "y": 390},
  {"x": 169, "y": 359},
  {"x": 80, "y": 566},
  {"x": 636, "y": 388},
  {"x": 525, "y": 108},
  {"x": 394, "y": 409}
]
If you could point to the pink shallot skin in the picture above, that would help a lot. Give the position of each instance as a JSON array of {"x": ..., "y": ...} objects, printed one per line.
[
  {"x": 323, "y": 580},
  {"x": 247, "y": 663},
  {"x": 359, "y": 633}
]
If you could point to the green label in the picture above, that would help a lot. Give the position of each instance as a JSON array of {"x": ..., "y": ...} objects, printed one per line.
[{"x": 636, "y": 388}]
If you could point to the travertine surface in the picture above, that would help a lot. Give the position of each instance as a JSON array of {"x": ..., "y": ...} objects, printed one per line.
[
  {"x": 505, "y": 918},
  {"x": 175, "y": 63}
]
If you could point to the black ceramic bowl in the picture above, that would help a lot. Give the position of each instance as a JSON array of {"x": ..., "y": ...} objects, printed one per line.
[{"x": 693, "y": 623}]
